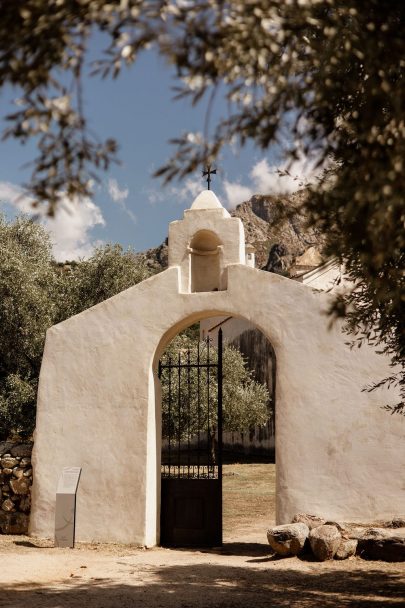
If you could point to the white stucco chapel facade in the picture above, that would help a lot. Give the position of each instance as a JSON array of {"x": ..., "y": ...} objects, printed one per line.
[{"x": 338, "y": 454}]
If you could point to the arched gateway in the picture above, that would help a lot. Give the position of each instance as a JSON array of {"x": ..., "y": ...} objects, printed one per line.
[{"x": 338, "y": 454}]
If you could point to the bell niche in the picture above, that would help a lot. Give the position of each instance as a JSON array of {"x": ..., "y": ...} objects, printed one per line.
[
  {"x": 204, "y": 243},
  {"x": 205, "y": 251}
]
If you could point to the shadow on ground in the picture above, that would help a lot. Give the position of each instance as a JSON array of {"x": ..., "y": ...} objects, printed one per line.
[
  {"x": 229, "y": 548},
  {"x": 216, "y": 586},
  {"x": 29, "y": 544}
]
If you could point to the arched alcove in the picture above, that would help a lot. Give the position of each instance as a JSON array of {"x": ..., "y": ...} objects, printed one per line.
[{"x": 205, "y": 253}]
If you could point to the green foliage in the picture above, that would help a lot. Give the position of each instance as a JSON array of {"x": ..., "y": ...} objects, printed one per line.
[
  {"x": 329, "y": 72},
  {"x": 17, "y": 405},
  {"x": 36, "y": 293},
  {"x": 246, "y": 403},
  {"x": 28, "y": 304},
  {"x": 107, "y": 272}
]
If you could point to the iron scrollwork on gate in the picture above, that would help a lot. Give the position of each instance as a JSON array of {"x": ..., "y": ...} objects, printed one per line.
[{"x": 192, "y": 412}]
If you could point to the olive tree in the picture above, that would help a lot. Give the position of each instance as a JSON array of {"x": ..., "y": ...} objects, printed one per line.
[
  {"x": 36, "y": 293},
  {"x": 109, "y": 270},
  {"x": 28, "y": 306},
  {"x": 329, "y": 72},
  {"x": 246, "y": 402}
]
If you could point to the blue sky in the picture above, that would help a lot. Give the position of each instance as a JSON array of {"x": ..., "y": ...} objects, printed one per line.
[{"x": 129, "y": 206}]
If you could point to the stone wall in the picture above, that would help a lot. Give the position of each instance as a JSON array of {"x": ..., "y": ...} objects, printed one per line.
[{"x": 15, "y": 486}]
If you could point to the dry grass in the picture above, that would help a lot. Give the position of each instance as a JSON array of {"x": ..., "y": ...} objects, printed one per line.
[{"x": 249, "y": 494}]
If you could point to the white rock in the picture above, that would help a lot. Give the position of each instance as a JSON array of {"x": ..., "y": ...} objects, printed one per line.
[
  {"x": 325, "y": 541},
  {"x": 288, "y": 539},
  {"x": 8, "y": 462},
  {"x": 346, "y": 549}
]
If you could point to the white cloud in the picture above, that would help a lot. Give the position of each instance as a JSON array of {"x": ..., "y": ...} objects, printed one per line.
[
  {"x": 284, "y": 178},
  {"x": 71, "y": 227},
  {"x": 15, "y": 196},
  {"x": 188, "y": 190},
  {"x": 185, "y": 192},
  {"x": 119, "y": 196},
  {"x": 115, "y": 192},
  {"x": 236, "y": 193},
  {"x": 155, "y": 196}
]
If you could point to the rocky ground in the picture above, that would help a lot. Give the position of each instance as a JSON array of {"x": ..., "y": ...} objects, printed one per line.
[{"x": 243, "y": 573}]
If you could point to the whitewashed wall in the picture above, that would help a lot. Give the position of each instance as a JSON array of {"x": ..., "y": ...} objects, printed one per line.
[{"x": 338, "y": 454}]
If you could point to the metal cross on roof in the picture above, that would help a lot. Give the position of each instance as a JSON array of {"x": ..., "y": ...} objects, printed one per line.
[{"x": 208, "y": 173}]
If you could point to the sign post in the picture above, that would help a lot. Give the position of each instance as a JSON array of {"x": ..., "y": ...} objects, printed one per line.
[{"x": 65, "y": 510}]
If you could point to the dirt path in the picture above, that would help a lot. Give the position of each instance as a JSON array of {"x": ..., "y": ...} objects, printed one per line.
[
  {"x": 33, "y": 574},
  {"x": 239, "y": 575}
]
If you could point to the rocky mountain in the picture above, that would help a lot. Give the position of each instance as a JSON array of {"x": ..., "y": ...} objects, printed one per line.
[
  {"x": 277, "y": 230},
  {"x": 156, "y": 258}
]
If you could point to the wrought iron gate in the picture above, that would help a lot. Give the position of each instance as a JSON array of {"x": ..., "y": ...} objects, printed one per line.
[{"x": 191, "y": 476}]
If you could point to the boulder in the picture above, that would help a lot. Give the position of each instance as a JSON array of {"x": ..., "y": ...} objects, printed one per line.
[
  {"x": 7, "y": 505},
  {"x": 343, "y": 529},
  {"x": 373, "y": 533},
  {"x": 288, "y": 539},
  {"x": 325, "y": 541},
  {"x": 8, "y": 462},
  {"x": 312, "y": 521},
  {"x": 20, "y": 486},
  {"x": 346, "y": 549},
  {"x": 382, "y": 544}
]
